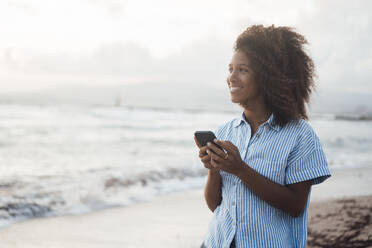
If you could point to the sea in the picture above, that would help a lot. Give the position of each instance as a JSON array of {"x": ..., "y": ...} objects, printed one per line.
[{"x": 70, "y": 160}]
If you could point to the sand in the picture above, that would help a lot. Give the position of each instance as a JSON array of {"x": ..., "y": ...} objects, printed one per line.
[
  {"x": 339, "y": 216},
  {"x": 341, "y": 223},
  {"x": 175, "y": 220}
]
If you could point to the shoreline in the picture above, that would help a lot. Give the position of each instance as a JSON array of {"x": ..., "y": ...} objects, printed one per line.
[{"x": 181, "y": 219}]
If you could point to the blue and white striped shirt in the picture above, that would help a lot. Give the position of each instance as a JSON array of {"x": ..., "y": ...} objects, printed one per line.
[{"x": 285, "y": 155}]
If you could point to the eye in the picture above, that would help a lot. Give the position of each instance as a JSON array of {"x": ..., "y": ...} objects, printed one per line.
[
  {"x": 230, "y": 69},
  {"x": 243, "y": 70}
]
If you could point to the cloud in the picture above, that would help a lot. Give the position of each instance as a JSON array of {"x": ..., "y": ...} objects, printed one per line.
[
  {"x": 338, "y": 32},
  {"x": 340, "y": 35},
  {"x": 203, "y": 61},
  {"x": 114, "y": 7},
  {"x": 116, "y": 58}
]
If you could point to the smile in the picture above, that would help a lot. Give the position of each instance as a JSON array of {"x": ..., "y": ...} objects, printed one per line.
[{"x": 234, "y": 89}]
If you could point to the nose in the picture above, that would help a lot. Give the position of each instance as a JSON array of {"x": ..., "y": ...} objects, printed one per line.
[
  {"x": 231, "y": 77},
  {"x": 227, "y": 81}
]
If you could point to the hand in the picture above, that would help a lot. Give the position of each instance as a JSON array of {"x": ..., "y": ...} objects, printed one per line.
[
  {"x": 204, "y": 157},
  {"x": 229, "y": 161}
]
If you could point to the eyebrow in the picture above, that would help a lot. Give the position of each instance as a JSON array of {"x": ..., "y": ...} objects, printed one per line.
[{"x": 240, "y": 64}]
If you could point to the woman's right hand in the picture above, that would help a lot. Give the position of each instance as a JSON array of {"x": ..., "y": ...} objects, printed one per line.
[{"x": 204, "y": 157}]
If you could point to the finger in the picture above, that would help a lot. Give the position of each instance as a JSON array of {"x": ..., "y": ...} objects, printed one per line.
[
  {"x": 233, "y": 148},
  {"x": 206, "y": 159},
  {"x": 230, "y": 144},
  {"x": 225, "y": 145},
  {"x": 203, "y": 151},
  {"x": 208, "y": 166},
  {"x": 215, "y": 164},
  {"x": 215, "y": 149},
  {"x": 230, "y": 147},
  {"x": 216, "y": 158},
  {"x": 197, "y": 142}
]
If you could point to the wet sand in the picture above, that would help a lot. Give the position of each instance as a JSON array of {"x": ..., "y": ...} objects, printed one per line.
[{"x": 339, "y": 216}]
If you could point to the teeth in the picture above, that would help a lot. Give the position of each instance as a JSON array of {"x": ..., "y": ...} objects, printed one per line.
[{"x": 234, "y": 89}]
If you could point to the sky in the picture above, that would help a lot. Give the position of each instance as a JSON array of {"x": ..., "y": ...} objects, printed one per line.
[{"x": 49, "y": 45}]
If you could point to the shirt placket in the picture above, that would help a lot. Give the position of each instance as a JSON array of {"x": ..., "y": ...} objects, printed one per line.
[
  {"x": 244, "y": 136},
  {"x": 247, "y": 142}
]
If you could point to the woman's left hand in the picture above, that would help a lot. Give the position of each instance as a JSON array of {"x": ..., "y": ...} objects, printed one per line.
[{"x": 230, "y": 162}]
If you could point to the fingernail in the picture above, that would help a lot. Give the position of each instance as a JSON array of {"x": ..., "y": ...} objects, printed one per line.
[
  {"x": 208, "y": 151},
  {"x": 209, "y": 143}
]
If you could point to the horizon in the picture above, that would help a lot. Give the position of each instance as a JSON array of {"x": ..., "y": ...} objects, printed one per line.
[{"x": 163, "y": 96}]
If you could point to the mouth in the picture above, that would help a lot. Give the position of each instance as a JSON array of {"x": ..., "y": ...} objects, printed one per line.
[{"x": 234, "y": 89}]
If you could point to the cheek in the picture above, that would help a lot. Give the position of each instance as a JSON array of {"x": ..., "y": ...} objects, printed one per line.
[
  {"x": 246, "y": 81},
  {"x": 249, "y": 80}
]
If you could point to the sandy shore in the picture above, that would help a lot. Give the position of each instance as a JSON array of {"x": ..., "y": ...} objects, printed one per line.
[
  {"x": 341, "y": 223},
  {"x": 340, "y": 216},
  {"x": 175, "y": 220}
]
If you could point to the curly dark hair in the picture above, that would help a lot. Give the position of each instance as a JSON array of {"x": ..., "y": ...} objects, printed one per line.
[{"x": 283, "y": 70}]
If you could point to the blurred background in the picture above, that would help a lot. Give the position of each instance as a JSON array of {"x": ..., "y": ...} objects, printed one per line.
[{"x": 99, "y": 99}]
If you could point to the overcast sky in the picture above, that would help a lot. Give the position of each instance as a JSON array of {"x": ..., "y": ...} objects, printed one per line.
[{"x": 45, "y": 44}]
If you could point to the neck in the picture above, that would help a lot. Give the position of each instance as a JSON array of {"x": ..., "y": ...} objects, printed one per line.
[{"x": 257, "y": 116}]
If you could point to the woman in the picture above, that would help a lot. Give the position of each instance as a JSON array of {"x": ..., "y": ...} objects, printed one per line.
[{"x": 259, "y": 187}]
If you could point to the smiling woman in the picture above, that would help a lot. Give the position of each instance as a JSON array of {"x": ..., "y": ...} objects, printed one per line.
[
  {"x": 259, "y": 189},
  {"x": 283, "y": 69}
]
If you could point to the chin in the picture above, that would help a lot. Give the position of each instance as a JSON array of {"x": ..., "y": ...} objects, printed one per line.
[
  {"x": 240, "y": 102},
  {"x": 235, "y": 99}
]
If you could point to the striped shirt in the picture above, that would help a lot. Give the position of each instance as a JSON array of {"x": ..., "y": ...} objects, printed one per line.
[{"x": 285, "y": 155}]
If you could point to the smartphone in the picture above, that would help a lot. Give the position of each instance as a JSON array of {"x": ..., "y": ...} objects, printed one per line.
[{"x": 204, "y": 137}]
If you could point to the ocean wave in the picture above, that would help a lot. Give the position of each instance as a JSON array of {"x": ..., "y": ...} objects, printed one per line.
[
  {"x": 111, "y": 191},
  {"x": 354, "y": 117},
  {"x": 153, "y": 176}
]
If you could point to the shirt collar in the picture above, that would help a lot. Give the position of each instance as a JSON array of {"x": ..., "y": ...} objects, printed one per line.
[{"x": 270, "y": 122}]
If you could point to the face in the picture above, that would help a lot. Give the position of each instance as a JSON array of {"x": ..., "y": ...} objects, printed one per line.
[{"x": 241, "y": 82}]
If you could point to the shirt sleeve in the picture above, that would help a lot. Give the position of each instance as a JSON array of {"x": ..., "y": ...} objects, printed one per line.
[{"x": 307, "y": 161}]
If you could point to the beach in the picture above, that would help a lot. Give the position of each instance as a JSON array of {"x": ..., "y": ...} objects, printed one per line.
[
  {"x": 339, "y": 216},
  {"x": 341, "y": 223}
]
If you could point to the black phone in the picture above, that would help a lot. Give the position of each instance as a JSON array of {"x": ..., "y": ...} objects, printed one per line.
[{"x": 204, "y": 137}]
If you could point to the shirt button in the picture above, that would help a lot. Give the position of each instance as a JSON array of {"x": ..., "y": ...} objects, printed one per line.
[
  {"x": 233, "y": 203},
  {"x": 258, "y": 135}
]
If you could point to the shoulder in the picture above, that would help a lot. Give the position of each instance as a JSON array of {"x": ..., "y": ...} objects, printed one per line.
[
  {"x": 305, "y": 138},
  {"x": 300, "y": 126}
]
